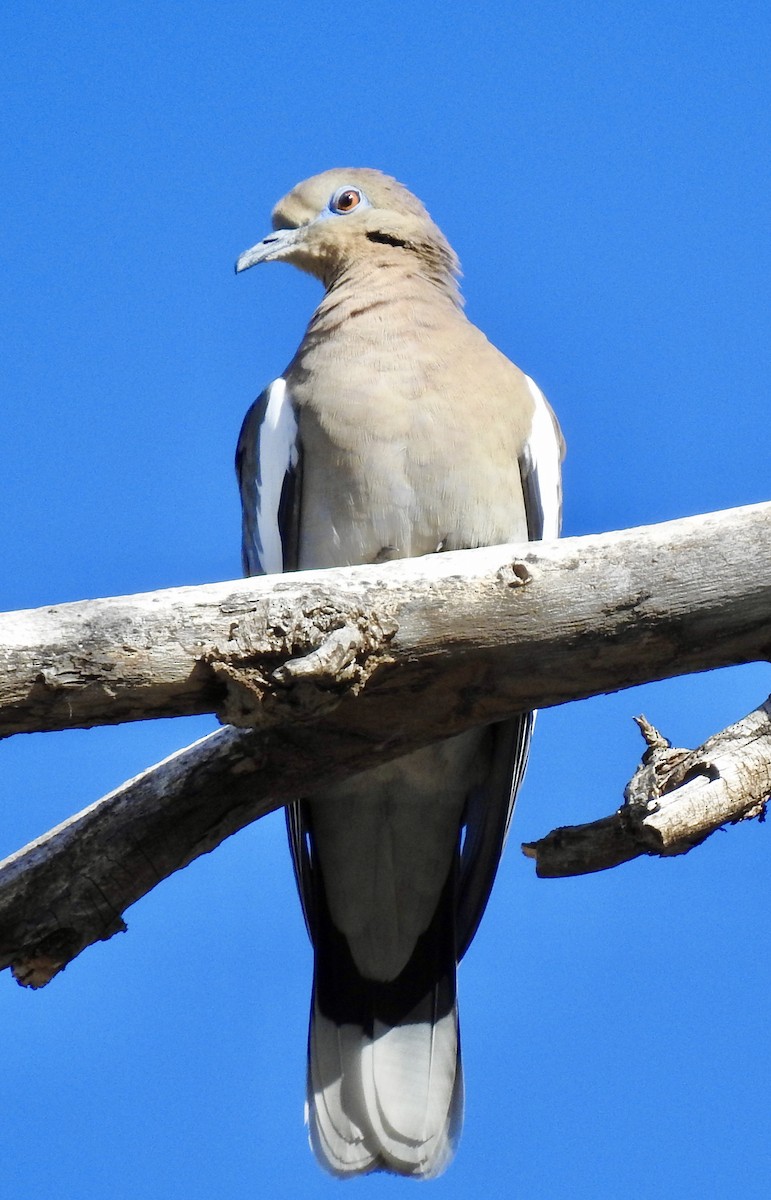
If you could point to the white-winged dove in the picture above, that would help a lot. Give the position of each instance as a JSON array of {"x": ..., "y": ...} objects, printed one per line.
[{"x": 396, "y": 430}]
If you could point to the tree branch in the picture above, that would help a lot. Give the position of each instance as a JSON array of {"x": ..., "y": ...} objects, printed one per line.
[
  {"x": 69, "y": 889},
  {"x": 338, "y": 671},
  {"x": 449, "y": 640},
  {"x": 674, "y": 801}
]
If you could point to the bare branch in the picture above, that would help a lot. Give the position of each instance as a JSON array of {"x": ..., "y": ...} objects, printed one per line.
[
  {"x": 475, "y": 635},
  {"x": 675, "y": 800},
  {"x": 338, "y": 671},
  {"x": 69, "y": 888}
]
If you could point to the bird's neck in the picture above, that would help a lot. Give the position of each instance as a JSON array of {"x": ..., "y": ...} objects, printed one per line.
[{"x": 385, "y": 283}]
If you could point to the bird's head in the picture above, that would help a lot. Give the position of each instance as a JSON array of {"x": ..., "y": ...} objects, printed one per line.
[{"x": 332, "y": 222}]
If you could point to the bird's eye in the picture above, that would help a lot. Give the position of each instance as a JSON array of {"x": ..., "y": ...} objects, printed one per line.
[{"x": 345, "y": 200}]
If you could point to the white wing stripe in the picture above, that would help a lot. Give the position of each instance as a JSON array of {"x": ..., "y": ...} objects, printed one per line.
[
  {"x": 278, "y": 454},
  {"x": 545, "y": 456}
]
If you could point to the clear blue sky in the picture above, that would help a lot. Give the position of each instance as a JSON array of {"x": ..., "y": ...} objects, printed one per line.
[{"x": 602, "y": 170}]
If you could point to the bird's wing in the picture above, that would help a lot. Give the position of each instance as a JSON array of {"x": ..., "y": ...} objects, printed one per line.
[
  {"x": 269, "y": 470},
  {"x": 539, "y": 465},
  {"x": 490, "y": 806},
  {"x": 486, "y": 821},
  {"x": 268, "y": 466}
]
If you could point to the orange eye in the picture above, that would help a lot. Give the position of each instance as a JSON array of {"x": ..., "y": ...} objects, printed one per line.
[{"x": 345, "y": 200}]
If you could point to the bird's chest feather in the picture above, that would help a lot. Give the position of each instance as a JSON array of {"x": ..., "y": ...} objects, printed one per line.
[{"x": 391, "y": 434}]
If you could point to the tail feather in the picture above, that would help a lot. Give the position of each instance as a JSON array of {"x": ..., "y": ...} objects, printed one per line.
[
  {"x": 390, "y": 1099},
  {"x": 385, "y": 1085},
  {"x": 414, "y": 1091},
  {"x": 335, "y": 1110}
]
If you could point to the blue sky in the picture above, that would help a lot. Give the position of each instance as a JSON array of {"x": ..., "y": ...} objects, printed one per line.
[{"x": 602, "y": 170}]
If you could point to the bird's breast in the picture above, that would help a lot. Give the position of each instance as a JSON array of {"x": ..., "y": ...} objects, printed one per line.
[{"x": 403, "y": 452}]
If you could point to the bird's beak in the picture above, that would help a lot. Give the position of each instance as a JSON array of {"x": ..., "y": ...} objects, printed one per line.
[{"x": 275, "y": 246}]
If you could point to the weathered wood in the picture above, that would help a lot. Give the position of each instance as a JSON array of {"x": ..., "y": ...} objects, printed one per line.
[
  {"x": 457, "y": 638},
  {"x": 674, "y": 801},
  {"x": 70, "y": 887},
  {"x": 474, "y": 635}
]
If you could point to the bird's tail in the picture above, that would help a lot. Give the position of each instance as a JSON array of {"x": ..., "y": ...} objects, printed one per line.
[
  {"x": 385, "y": 1083},
  {"x": 389, "y": 1096}
]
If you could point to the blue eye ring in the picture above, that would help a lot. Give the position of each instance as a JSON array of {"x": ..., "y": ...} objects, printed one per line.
[{"x": 346, "y": 200}]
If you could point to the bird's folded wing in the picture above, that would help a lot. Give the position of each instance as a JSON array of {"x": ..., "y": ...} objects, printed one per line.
[{"x": 268, "y": 466}]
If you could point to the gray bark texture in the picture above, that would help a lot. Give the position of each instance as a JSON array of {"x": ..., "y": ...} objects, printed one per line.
[
  {"x": 673, "y": 802},
  {"x": 449, "y": 640},
  {"x": 325, "y": 673}
]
